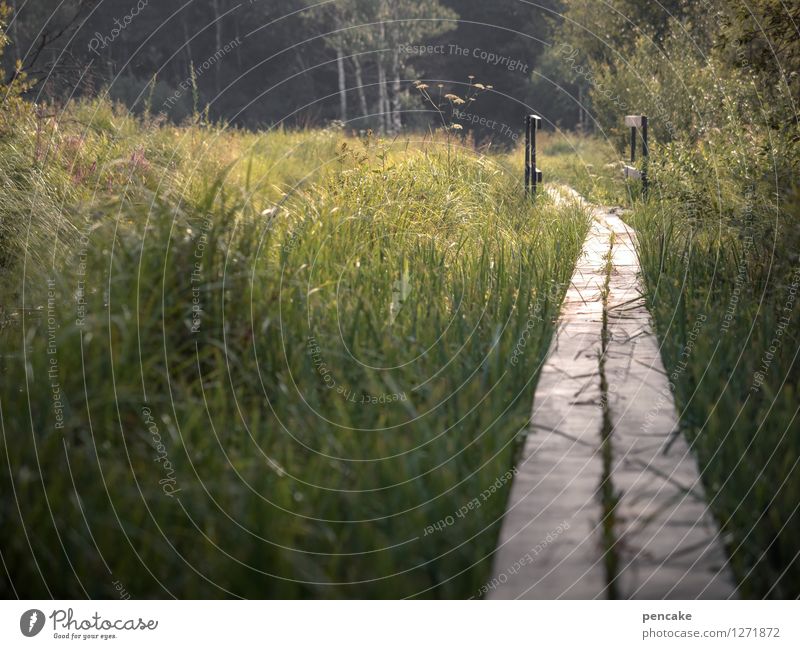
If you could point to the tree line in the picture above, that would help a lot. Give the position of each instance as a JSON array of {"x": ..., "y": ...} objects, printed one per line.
[{"x": 309, "y": 62}]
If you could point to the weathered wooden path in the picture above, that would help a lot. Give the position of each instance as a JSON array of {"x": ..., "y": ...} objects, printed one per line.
[{"x": 607, "y": 502}]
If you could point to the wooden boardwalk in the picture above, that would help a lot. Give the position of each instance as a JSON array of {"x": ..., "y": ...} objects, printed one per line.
[{"x": 607, "y": 501}]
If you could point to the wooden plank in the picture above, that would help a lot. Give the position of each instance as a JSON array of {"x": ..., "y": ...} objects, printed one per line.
[
  {"x": 668, "y": 543},
  {"x": 633, "y": 121},
  {"x": 665, "y": 541},
  {"x": 549, "y": 541},
  {"x": 632, "y": 173}
]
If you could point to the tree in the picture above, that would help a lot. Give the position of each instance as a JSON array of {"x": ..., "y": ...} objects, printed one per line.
[
  {"x": 607, "y": 35},
  {"x": 40, "y": 27},
  {"x": 336, "y": 20},
  {"x": 406, "y": 22},
  {"x": 763, "y": 36}
]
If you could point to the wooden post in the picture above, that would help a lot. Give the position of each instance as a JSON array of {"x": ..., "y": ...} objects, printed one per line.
[
  {"x": 638, "y": 122},
  {"x": 527, "y": 154},
  {"x": 645, "y": 156},
  {"x": 533, "y": 176}
]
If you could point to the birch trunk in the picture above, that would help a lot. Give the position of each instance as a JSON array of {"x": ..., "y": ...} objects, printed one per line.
[
  {"x": 362, "y": 96},
  {"x": 383, "y": 95},
  {"x": 397, "y": 120},
  {"x": 342, "y": 84},
  {"x": 383, "y": 99}
]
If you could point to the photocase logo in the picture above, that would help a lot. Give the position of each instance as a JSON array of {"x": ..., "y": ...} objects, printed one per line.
[{"x": 31, "y": 622}]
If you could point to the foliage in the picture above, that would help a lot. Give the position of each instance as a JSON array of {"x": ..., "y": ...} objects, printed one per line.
[{"x": 284, "y": 67}]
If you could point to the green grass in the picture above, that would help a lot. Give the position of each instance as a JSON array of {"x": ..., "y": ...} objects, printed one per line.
[
  {"x": 328, "y": 378},
  {"x": 721, "y": 292},
  {"x": 588, "y": 164}
]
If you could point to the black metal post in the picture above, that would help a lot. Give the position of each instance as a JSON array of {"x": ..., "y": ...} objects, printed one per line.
[
  {"x": 645, "y": 156},
  {"x": 527, "y": 154},
  {"x": 532, "y": 175},
  {"x": 638, "y": 122},
  {"x": 535, "y": 125}
]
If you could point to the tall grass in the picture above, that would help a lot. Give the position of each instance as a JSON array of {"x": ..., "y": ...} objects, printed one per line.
[
  {"x": 589, "y": 164},
  {"x": 275, "y": 365},
  {"x": 724, "y": 299}
]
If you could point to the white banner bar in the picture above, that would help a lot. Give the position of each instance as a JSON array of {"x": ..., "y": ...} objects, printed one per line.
[{"x": 389, "y": 625}]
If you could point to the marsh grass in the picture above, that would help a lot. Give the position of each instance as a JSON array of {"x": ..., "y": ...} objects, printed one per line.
[
  {"x": 280, "y": 360},
  {"x": 721, "y": 294},
  {"x": 589, "y": 164}
]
